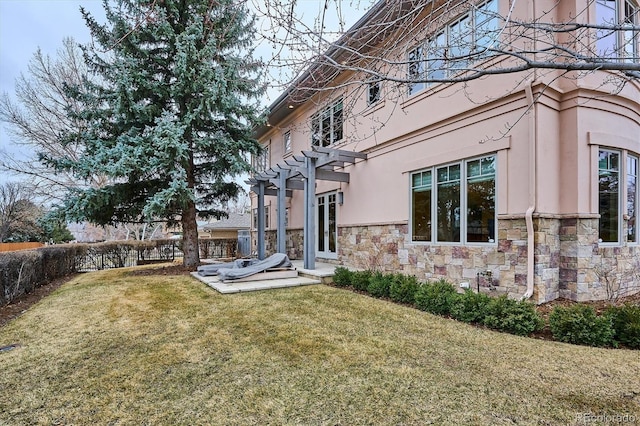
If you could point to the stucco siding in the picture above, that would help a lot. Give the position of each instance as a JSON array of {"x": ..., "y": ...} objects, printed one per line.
[{"x": 545, "y": 129}]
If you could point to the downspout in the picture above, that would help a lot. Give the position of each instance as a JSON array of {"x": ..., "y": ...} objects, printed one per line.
[
  {"x": 528, "y": 216},
  {"x": 533, "y": 142}
]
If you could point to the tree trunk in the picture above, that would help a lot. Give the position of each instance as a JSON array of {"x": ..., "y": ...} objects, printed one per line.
[{"x": 190, "y": 249}]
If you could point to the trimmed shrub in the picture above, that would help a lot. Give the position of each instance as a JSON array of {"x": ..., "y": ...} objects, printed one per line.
[
  {"x": 626, "y": 324},
  {"x": 512, "y": 316},
  {"x": 403, "y": 288},
  {"x": 360, "y": 280},
  {"x": 579, "y": 324},
  {"x": 342, "y": 277},
  {"x": 436, "y": 297},
  {"x": 470, "y": 306},
  {"x": 379, "y": 284}
]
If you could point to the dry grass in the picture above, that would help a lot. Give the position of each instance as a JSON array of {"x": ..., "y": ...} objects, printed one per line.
[{"x": 113, "y": 348}]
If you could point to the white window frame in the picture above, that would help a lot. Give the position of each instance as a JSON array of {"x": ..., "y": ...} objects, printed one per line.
[
  {"x": 463, "y": 182},
  {"x": 286, "y": 140},
  {"x": 254, "y": 217},
  {"x": 626, "y": 43},
  {"x": 620, "y": 172},
  {"x": 374, "y": 92},
  {"x": 262, "y": 162},
  {"x": 426, "y": 60},
  {"x": 318, "y": 130},
  {"x": 636, "y": 193}
]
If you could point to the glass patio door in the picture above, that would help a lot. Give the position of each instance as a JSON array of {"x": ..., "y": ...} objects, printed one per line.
[{"x": 326, "y": 226}]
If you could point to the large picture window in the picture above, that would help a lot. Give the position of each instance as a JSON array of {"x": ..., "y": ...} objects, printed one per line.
[
  {"x": 618, "y": 196},
  {"x": 455, "y": 47},
  {"x": 326, "y": 125},
  {"x": 455, "y": 203},
  {"x": 609, "y": 195},
  {"x": 633, "y": 199}
]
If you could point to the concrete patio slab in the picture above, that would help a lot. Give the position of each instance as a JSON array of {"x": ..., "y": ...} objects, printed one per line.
[
  {"x": 237, "y": 287},
  {"x": 323, "y": 274}
]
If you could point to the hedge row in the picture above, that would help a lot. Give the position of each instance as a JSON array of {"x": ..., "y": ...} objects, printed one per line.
[
  {"x": 441, "y": 298},
  {"x": 22, "y": 271},
  {"x": 577, "y": 324}
]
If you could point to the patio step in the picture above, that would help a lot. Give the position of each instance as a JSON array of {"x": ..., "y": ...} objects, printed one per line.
[
  {"x": 322, "y": 276},
  {"x": 244, "y": 286}
]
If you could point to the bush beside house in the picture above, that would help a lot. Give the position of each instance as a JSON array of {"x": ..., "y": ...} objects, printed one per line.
[{"x": 577, "y": 324}]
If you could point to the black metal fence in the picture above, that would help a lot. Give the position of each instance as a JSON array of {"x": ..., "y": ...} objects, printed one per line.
[
  {"x": 22, "y": 271},
  {"x": 123, "y": 254},
  {"x": 218, "y": 249}
]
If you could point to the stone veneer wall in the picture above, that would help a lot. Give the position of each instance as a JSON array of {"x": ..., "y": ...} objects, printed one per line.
[
  {"x": 389, "y": 248},
  {"x": 294, "y": 243},
  {"x": 591, "y": 271},
  {"x": 568, "y": 262}
]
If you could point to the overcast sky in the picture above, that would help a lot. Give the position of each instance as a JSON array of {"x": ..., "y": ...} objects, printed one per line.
[{"x": 26, "y": 25}]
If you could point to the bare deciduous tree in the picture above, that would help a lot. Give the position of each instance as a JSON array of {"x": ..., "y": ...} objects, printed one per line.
[
  {"x": 412, "y": 44},
  {"x": 38, "y": 118},
  {"x": 18, "y": 213},
  {"x": 457, "y": 40}
]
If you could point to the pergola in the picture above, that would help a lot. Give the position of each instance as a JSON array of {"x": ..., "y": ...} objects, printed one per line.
[{"x": 300, "y": 172}]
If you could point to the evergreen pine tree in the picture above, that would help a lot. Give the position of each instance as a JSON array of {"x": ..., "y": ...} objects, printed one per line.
[{"x": 171, "y": 118}]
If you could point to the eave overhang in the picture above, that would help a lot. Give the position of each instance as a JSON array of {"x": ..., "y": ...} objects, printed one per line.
[{"x": 362, "y": 37}]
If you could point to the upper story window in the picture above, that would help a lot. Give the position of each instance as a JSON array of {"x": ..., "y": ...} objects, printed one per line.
[
  {"x": 286, "y": 139},
  {"x": 261, "y": 162},
  {"x": 455, "y": 203},
  {"x": 455, "y": 46},
  {"x": 326, "y": 125},
  {"x": 373, "y": 92},
  {"x": 619, "y": 44}
]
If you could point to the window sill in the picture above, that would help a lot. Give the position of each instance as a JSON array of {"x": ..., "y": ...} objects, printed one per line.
[
  {"x": 422, "y": 94},
  {"x": 450, "y": 244},
  {"x": 370, "y": 109}
]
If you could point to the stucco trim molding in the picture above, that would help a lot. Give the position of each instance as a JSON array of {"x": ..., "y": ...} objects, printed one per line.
[
  {"x": 458, "y": 154},
  {"x": 612, "y": 140},
  {"x": 551, "y": 216}
]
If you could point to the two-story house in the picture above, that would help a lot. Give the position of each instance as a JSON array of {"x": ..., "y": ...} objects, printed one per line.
[{"x": 525, "y": 182}]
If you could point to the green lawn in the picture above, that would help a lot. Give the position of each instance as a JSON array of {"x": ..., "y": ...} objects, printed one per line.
[{"x": 114, "y": 348}]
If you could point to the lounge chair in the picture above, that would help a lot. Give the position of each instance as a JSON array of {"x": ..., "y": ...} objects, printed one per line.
[
  {"x": 212, "y": 269},
  {"x": 275, "y": 261}
]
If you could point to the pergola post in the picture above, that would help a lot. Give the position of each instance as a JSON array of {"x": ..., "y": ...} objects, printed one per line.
[
  {"x": 282, "y": 212},
  {"x": 299, "y": 172},
  {"x": 261, "y": 224},
  {"x": 310, "y": 214}
]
